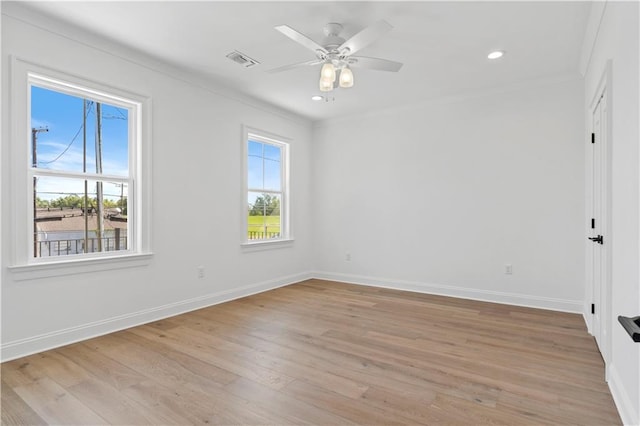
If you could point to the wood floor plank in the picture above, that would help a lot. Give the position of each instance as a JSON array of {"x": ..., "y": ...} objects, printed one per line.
[
  {"x": 350, "y": 409},
  {"x": 112, "y": 405},
  {"x": 302, "y": 411},
  {"x": 55, "y": 404},
  {"x": 189, "y": 364},
  {"x": 47, "y": 364},
  {"x": 90, "y": 357},
  {"x": 279, "y": 359},
  {"x": 321, "y": 352},
  {"x": 15, "y": 411},
  {"x": 217, "y": 356}
]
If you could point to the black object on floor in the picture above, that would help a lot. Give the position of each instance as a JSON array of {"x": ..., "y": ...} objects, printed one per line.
[{"x": 632, "y": 325}]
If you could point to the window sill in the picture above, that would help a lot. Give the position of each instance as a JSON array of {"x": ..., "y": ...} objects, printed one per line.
[
  {"x": 267, "y": 245},
  {"x": 78, "y": 266}
]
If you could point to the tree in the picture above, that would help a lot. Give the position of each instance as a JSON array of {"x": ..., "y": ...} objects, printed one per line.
[
  {"x": 76, "y": 201},
  {"x": 265, "y": 205},
  {"x": 273, "y": 207},
  {"x": 71, "y": 200},
  {"x": 257, "y": 209},
  {"x": 40, "y": 203}
]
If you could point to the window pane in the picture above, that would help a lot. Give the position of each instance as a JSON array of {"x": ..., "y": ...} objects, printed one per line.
[
  {"x": 115, "y": 138},
  {"x": 263, "y": 221},
  {"x": 61, "y": 225},
  {"x": 272, "y": 216},
  {"x": 59, "y": 134},
  {"x": 255, "y": 149},
  {"x": 256, "y": 218},
  {"x": 272, "y": 175},
  {"x": 255, "y": 172},
  {"x": 272, "y": 152}
]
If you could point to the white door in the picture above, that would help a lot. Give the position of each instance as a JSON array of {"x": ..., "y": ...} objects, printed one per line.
[{"x": 598, "y": 226}]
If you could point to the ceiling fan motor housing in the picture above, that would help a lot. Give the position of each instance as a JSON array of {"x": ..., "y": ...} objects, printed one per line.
[{"x": 332, "y": 38}]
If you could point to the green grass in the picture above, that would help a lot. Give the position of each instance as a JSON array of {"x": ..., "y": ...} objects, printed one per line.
[{"x": 257, "y": 224}]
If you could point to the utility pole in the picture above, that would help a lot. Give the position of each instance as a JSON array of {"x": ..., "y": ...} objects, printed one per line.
[
  {"x": 99, "y": 195},
  {"x": 84, "y": 170},
  {"x": 121, "y": 204},
  {"x": 34, "y": 164}
]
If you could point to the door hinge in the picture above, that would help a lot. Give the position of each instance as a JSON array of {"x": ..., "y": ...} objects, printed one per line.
[
  {"x": 593, "y": 138},
  {"x": 593, "y": 308},
  {"x": 593, "y": 223}
]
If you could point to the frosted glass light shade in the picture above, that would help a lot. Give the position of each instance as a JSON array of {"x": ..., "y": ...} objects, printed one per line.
[
  {"x": 325, "y": 86},
  {"x": 328, "y": 72},
  {"x": 346, "y": 77}
]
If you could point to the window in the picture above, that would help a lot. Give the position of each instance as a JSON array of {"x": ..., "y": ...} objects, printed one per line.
[
  {"x": 266, "y": 162},
  {"x": 83, "y": 173}
]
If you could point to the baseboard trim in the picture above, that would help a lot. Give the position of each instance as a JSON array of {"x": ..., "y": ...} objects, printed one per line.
[
  {"x": 23, "y": 347},
  {"x": 562, "y": 305},
  {"x": 625, "y": 406},
  {"x": 55, "y": 339}
]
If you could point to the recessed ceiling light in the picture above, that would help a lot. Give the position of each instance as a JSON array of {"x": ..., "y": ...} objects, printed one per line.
[
  {"x": 496, "y": 54},
  {"x": 317, "y": 98}
]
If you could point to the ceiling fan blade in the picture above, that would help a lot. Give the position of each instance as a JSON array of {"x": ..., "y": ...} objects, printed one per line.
[
  {"x": 374, "y": 63},
  {"x": 292, "y": 66},
  {"x": 300, "y": 38},
  {"x": 366, "y": 36}
]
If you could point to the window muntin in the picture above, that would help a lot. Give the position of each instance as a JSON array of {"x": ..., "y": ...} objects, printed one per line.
[
  {"x": 266, "y": 163},
  {"x": 81, "y": 147}
]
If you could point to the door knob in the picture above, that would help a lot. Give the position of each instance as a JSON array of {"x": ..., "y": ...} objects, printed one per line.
[{"x": 597, "y": 239}]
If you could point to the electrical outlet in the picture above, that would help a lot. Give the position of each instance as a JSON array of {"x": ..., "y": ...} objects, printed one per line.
[
  {"x": 347, "y": 257},
  {"x": 508, "y": 269},
  {"x": 200, "y": 271}
]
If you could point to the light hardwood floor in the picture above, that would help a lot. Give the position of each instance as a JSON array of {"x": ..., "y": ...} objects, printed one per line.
[{"x": 327, "y": 353}]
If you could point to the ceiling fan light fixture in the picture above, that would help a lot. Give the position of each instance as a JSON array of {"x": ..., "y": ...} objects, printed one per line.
[
  {"x": 346, "y": 77},
  {"x": 325, "y": 86},
  {"x": 336, "y": 54},
  {"x": 328, "y": 72}
]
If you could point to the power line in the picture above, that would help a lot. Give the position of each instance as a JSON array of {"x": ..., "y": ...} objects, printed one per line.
[
  {"x": 72, "y": 140},
  {"x": 119, "y": 111}
]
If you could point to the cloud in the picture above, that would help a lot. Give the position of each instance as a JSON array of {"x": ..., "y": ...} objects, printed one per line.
[{"x": 49, "y": 157}]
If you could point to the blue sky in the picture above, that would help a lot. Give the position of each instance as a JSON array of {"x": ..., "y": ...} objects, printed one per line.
[
  {"x": 264, "y": 166},
  {"x": 61, "y": 147}
]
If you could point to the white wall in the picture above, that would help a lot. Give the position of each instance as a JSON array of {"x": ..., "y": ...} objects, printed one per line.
[
  {"x": 439, "y": 197},
  {"x": 617, "y": 40},
  {"x": 196, "y": 193}
]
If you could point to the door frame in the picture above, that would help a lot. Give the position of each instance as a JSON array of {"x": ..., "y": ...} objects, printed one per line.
[{"x": 603, "y": 89}]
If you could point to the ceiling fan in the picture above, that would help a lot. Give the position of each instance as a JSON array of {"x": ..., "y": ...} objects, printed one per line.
[{"x": 336, "y": 53}]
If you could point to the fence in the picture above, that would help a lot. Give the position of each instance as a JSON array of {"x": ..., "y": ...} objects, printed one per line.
[
  {"x": 263, "y": 235},
  {"x": 76, "y": 246}
]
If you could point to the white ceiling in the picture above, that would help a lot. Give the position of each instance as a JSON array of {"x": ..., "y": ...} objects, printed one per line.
[{"x": 443, "y": 45}]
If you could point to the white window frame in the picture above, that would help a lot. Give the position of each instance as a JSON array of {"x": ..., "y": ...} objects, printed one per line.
[
  {"x": 286, "y": 238},
  {"x": 23, "y": 264}
]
